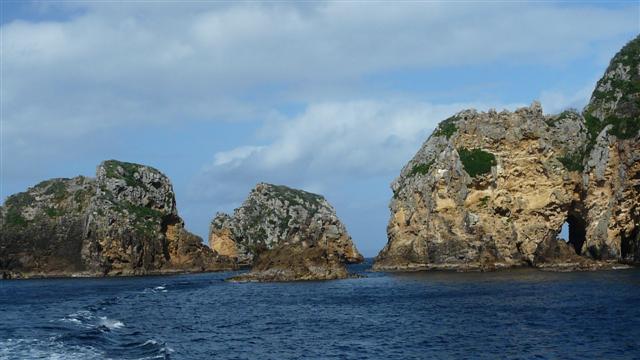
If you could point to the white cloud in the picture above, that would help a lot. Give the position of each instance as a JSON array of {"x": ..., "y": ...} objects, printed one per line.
[
  {"x": 555, "y": 101},
  {"x": 327, "y": 144},
  {"x": 235, "y": 156},
  {"x": 116, "y": 65}
]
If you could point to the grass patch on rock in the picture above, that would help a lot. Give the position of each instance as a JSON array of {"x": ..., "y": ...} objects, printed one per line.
[
  {"x": 476, "y": 162},
  {"x": 447, "y": 127},
  {"x": 573, "y": 161},
  {"x": 421, "y": 169},
  {"x": 14, "y": 218}
]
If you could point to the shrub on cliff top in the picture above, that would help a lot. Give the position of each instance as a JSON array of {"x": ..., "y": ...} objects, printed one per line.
[
  {"x": 562, "y": 116},
  {"x": 447, "y": 127},
  {"x": 476, "y": 161}
]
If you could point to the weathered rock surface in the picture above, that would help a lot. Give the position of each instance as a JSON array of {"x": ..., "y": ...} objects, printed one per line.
[
  {"x": 286, "y": 234},
  {"x": 492, "y": 190},
  {"x": 123, "y": 222}
]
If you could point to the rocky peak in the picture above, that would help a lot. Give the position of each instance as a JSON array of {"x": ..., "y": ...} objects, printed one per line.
[
  {"x": 278, "y": 217},
  {"x": 122, "y": 222},
  {"x": 616, "y": 98},
  {"x": 136, "y": 184},
  {"x": 493, "y": 189}
]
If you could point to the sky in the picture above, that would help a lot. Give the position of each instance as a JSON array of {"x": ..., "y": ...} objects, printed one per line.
[{"x": 330, "y": 97}]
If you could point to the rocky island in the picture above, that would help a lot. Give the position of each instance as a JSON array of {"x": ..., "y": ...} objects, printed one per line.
[
  {"x": 284, "y": 234},
  {"x": 492, "y": 190},
  {"x": 123, "y": 222}
]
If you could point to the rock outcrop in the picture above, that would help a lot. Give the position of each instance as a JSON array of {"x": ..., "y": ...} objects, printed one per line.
[
  {"x": 285, "y": 234},
  {"x": 492, "y": 190},
  {"x": 123, "y": 222}
]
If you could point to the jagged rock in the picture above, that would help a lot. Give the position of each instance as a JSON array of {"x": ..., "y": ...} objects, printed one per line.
[
  {"x": 286, "y": 234},
  {"x": 612, "y": 168},
  {"x": 492, "y": 190},
  {"x": 123, "y": 222}
]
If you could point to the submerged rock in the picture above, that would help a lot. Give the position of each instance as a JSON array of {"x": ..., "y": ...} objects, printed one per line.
[
  {"x": 123, "y": 222},
  {"x": 285, "y": 234},
  {"x": 492, "y": 190}
]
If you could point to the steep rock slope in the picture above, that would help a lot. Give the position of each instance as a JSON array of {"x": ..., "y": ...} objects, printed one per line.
[
  {"x": 491, "y": 190},
  {"x": 286, "y": 234},
  {"x": 123, "y": 222},
  {"x": 612, "y": 166}
]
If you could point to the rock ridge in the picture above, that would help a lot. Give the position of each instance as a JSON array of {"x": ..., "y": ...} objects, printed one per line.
[
  {"x": 285, "y": 234},
  {"x": 123, "y": 222},
  {"x": 491, "y": 190}
]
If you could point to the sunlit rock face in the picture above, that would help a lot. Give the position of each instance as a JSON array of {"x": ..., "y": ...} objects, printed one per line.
[
  {"x": 491, "y": 190},
  {"x": 123, "y": 222},
  {"x": 285, "y": 234}
]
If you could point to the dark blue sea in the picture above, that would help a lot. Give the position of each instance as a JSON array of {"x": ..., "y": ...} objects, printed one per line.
[{"x": 517, "y": 314}]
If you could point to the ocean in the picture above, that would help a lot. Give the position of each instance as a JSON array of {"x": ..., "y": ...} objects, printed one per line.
[{"x": 515, "y": 314}]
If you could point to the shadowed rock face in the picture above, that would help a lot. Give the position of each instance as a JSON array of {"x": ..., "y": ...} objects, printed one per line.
[
  {"x": 286, "y": 234},
  {"x": 491, "y": 190},
  {"x": 123, "y": 222}
]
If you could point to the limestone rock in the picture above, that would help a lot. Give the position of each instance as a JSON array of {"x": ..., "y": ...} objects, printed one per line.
[
  {"x": 492, "y": 190},
  {"x": 123, "y": 222},
  {"x": 286, "y": 234},
  {"x": 612, "y": 170}
]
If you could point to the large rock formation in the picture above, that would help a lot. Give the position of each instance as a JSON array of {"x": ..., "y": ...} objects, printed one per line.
[
  {"x": 123, "y": 222},
  {"x": 491, "y": 190},
  {"x": 286, "y": 234}
]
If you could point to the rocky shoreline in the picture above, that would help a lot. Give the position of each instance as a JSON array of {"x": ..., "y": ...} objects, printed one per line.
[
  {"x": 493, "y": 189},
  {"x": 285, "y": 234},
  {"x": 486, "y": 191}
]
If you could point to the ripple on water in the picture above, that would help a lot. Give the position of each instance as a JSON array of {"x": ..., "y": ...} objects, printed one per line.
[{"x": 518, "y": 314}]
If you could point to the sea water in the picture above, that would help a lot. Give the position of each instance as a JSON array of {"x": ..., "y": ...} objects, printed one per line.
[{"x": 516, "y": 314}]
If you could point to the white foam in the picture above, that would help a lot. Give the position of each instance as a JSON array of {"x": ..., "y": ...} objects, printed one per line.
[
  {"x": 71, "y": 320},
  {"x": 160, "y": 288},
  {"x": 110, "y": 323},
  {"x": 79, "y": 318},
  {"x": 45, "y": 349}
]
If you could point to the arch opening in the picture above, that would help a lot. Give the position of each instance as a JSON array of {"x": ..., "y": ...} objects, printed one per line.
[
  {"x": 573, "y": 231},
  {"x": 577, "y": 232}
]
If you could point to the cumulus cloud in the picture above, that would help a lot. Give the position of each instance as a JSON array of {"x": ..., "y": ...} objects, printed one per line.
[
  {"x": 110, "y": 65},
  {"x": 82, "y": 78},
  {"x": 325, "y": 145}
]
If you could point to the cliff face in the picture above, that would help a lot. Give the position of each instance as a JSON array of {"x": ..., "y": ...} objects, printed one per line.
[
  {"x": 122, "y": 222},
  {"x": 491, "y": 190},
  {"x": 611, "y": 178},
  {"x": 286, "y": 234}
]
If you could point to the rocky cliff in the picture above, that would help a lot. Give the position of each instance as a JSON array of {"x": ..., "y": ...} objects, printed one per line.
[
  {"x": 123, "y": 222},
  {"x": 285, "y": 234},
  {"x": 491, "y": 190}
]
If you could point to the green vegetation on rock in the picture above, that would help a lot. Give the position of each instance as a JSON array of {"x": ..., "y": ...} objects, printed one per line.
[
  {"x": 622, "y": 128},
  {"x": 20, "y": 200},
  {"x": 128, "y": 171},
  {"x": 476, "y": 161},
  {"x": 53, "y": 212},
  {"x": 14, "y": 217},
  {"x": 142, "y": 212},
  {"x": 284, "y": 224},
  {"x": 297, "y": 197},
  {"x": 619, "y": 105},
  {"x": 447, "y": 127},
  {"x": 421, "y": 169},
  {"x": 58, "y": 189},
  {"x": 573, "y": 161},
  {"x": 552, "y": 121}
]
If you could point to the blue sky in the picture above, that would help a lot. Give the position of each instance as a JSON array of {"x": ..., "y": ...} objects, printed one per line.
[{"x": 331, "y": 97}]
